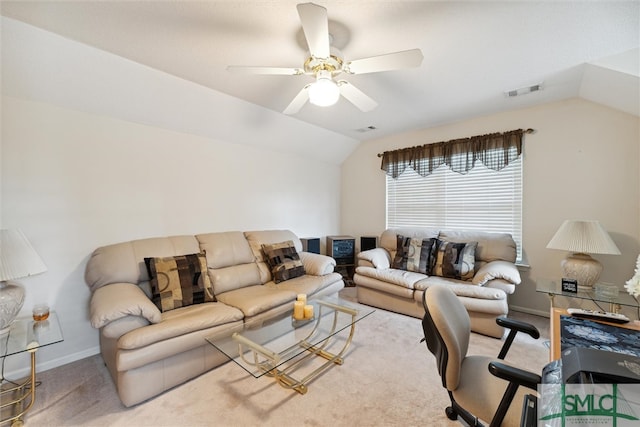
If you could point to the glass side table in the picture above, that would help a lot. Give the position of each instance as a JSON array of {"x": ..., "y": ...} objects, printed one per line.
[
  {"x": 554, "y": 287},
  {"x": 25, "y": 335}
]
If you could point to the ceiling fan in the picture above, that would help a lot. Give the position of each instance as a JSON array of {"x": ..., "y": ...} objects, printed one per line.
[{"x": 325, "y": 63}]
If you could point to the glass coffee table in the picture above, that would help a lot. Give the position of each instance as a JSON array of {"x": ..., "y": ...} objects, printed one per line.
[{"x": 278, "y": 346}]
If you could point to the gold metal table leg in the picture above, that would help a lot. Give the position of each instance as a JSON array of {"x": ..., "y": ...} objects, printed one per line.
[
  {"x": 267, "y": 361},
  {"x": 17, "y": 404}
]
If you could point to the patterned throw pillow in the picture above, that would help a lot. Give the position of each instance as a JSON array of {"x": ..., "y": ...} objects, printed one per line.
[
  {"x": 179, "y": 281},
  {"x": 455, "y": 260},
  {"x": 283, "y": 260},
  {"x": 414, "y": 254}
]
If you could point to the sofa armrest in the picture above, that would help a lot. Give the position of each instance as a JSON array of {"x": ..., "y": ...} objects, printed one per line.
[
  {"x": 316, "y": 264},
  {"x": 378, "y": 257},
  {"x": 118, "y": 300},
  {"x": 497, "y": 270}
]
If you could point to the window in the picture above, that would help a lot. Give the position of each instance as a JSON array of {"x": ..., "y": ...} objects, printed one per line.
[{"x": 482, "y": 199}]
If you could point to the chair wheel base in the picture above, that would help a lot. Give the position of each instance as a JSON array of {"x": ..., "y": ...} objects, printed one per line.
[{"x": 451, "y": 413}]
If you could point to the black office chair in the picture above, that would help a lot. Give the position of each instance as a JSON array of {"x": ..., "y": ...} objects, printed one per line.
[{"x": 480, "y": 388}]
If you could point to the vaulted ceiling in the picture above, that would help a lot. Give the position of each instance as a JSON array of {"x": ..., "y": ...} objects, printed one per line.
[{"x": 474, "y": 52}]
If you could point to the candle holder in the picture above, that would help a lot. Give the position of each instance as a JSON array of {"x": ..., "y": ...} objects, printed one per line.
[
  {"x": 297, "y": 323},
  {"x": 302, "y": 312}
]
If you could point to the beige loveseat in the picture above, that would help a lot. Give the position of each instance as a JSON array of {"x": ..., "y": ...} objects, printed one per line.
[
  {"x": 148, "y": 351},
  {"x": 492, "y": 276}
]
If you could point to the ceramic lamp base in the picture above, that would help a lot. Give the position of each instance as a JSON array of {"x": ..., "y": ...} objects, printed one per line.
[
  {"x": 582, "y": 268},
  {"x": 11, "y": 301}
]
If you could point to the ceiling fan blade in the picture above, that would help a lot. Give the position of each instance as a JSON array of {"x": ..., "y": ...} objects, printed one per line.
[
  {"x": 356, "y": 96},
  {"x": 391, "y": 61},
  {"x": 301, "y": 98},
  {"x": 265, "y": 70},
  {"x": 315, "y": 25}
]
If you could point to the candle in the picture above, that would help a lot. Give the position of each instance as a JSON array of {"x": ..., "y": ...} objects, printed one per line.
[
  {"x": 298, "y": 310},
  {"x": 303, "y": 298},
  {"x": 308, "y": 311}
]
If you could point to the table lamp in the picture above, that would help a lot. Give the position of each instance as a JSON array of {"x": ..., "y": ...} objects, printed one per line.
[
  {"x": 17, "y": 259},
  {"x": 582, "y": 238}
]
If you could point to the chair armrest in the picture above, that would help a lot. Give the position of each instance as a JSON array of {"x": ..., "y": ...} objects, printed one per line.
[
  {"x": 378, "y": 257},
  {"x": 514, "y": 327},
  {"x": 316, "y": 264},
  {"x": 515, "y": 375},
  {"x": 519, "y": 326},
  {"x": 118, "y": 300}
]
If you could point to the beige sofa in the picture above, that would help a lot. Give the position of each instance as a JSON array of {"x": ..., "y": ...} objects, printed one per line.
[
  {"x": 484, "y": 293},
  {"x": 148, "y": 351}
]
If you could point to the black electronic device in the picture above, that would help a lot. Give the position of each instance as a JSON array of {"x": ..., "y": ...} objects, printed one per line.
[
  {"x": 311, "y": 244},
  {"x": 342, "y": 249},
  {"x": 529, "y": 417},
  {"x": 594, "y": 366},
  {"x": 368, "y": 242}
]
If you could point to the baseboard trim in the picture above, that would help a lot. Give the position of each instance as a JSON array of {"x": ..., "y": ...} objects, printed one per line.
[
  {"x": 529, "y": 311},
  {"x": 45, "y": 365}
]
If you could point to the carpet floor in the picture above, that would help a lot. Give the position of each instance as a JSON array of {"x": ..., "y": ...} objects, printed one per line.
[{"x": 388, "y": 378}]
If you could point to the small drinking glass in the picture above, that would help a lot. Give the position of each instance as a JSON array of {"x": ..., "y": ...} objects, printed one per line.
[{"x": 40, "y": 312}]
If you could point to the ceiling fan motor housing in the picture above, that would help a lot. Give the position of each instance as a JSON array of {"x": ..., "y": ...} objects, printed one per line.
[{"x": 333, "y": 63}]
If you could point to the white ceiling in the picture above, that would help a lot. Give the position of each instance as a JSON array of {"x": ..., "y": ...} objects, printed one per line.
[{"x": 473, "y": 52}]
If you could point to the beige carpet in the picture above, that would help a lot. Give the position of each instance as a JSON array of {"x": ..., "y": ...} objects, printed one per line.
[{"x": 388, "y": 379}]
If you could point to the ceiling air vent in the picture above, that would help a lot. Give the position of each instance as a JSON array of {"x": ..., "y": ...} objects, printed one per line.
[{"x": 524, "y": 90}]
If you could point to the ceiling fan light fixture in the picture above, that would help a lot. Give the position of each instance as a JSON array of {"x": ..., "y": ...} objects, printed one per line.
[{"x": 324, "y": 92}]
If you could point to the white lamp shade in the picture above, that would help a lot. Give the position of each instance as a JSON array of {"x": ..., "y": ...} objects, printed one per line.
[
  {"x": 324, "y": 92},
  {"x": 17, "y": 256},
  {"x": 588, "y": 237}
]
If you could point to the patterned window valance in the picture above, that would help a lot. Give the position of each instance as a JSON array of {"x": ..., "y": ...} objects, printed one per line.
[{"x": 495, "y": 151}]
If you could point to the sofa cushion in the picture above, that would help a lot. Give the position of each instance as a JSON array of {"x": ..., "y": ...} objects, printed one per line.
[
  {"x": 254, "y": 300},
  {"x": 307, "y": 284},
  {"x": 414, "y": 254},
  {"x": 179, "y": 322},
  {"x": 491, "y": 246},
  {"x": 381, "y": 286},
  {"x": 124, "y": 262},
  {"x": 389, "y": 241},
  {"x": 226, "y": 249},
  {"x": 258, "y": 238},
  {"x": 402, "y": 278},
  {"x": 234, "y": 277},
  {"x": 480, "y": 306},
  {"x": 179, "y": 281},
  {"x": 462, "y": 288},
  {"x": 455, "y": 260},
  {"x": 283, "y": 260}
]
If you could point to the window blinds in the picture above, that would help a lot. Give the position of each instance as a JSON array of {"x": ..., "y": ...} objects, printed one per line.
[{"x": 483, "y": 200}]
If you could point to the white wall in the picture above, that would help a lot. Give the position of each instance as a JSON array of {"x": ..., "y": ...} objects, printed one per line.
[
  {"x": 75, "y": 181},
  {"x": 581, "y": 163},
  {"x": 97, "y": 150}
]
